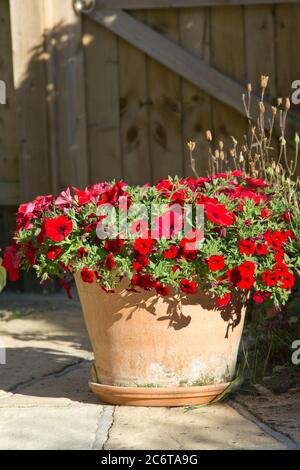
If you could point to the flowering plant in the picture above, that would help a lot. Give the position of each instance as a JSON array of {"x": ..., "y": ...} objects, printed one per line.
[
  {"x": 2, "y": 276},
  {"x": 251, "y": 238}
]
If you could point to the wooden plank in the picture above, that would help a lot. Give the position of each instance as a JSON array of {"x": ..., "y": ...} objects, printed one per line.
[
  {"x": 9, "y": 194},
  {"x": 134, "y": 105},
  {"x": 287, "y": 53},
  {"x": 227, "y": 28},
  {"x": 197, "y": 110},
  {"x": 103, "y": 102},
  {"x": 259, "y": 36},
  {"x": 30, "y": 84},
  {"x": 136, "y": 4},
  {"x": 170, "y": 54},
  {"x": 66, "y": 95},
  {"x": 8, "y": 147},
  {"x": 164, "y": 90}
]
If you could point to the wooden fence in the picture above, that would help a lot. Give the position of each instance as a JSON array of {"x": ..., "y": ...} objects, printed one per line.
[{"x": 116, "y": 93}]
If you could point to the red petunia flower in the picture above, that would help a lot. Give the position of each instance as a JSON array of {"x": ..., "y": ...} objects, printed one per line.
[
  {"x": 82, "y": 252},
  {"x": 246, "y": 268},
  {"x": 287, "y": 280},
  {"x": 260, "y": 296},
  {"x": 269, "y": 278},
  {"x": 144, "y": 281},
  {"x": 265, "y": 213},
  {"x": 143, "y": 245},
  {"x": 261, "y": 249},
  {"x": 246, "y": 247},
  {"x": 87, "y": 275},
  {"x": 58, "y": 228},
  {"x": 218, "y": 214},
  {"x": 224, "y": 300},
  {"x": 216, "y": 263},
  {"x": 66, "y": 285},
  {"x": 110, "y": 262},
  {"x": 234, "y": 276},
  {"x": 188, "y": 287},
  {"x": 115, "y": 246},
  {"x": 11, "y": 262},
  {"x": 54, "y": 252},
  {"x": 280, "y": 269},
  {"x": 171, "y": 252},
  {"x": 161, "y": 289},
  {"x": 246, "y": 282}
]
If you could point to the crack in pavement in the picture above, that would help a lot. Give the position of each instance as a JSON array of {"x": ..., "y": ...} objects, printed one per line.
[
  {"x": 57, "y": 373},
  {"x": 105, "y": 423}
]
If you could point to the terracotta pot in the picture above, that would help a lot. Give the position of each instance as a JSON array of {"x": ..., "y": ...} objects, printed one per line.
[{"x": 152, "y": 350}]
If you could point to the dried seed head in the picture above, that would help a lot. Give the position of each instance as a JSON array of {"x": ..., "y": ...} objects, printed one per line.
[
  {"x": 273, "y": 165},
  {"x": 222, "y": 155},
  {"x": 232, "y": 152},
  {"x": 208, "y": 135},
  {"x": 217, "y": 154},
  {"x": 277, "y": 169},
  {"x": 264, "y": 81},
  {"x": 262, "y": 108},
  {"x": 287, "y": 104},
  {"x": 221, "y": 144},
  {"x": 274, "y": 110},
  {"x": 191, "y": 145},
  {"x": 249, "y": 87},
  {"x": 279, "y": 101},
  {"x": 241, "y": 157}
]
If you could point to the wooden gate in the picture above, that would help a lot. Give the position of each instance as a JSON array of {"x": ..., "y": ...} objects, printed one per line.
[{"x": 116, "y": 93}]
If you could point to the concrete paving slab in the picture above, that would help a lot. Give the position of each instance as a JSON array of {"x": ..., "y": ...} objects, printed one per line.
[
  {"x": 45, "y": 428},
  {"x": 213, "y": 427}
]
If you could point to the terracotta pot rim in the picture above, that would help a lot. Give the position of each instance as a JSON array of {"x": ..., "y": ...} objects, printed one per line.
[{"x": 159, "y": 392}]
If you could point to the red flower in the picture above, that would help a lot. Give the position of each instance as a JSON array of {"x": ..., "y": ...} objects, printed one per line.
[
  {"x": 81, "y": 252},
  {"x": 188, "y": 287},
  {"x": 67, "y": 287},
  {"x": 171, "y": 252},
  {"x": 143, "y": 245},
  {"x": 287, "y": 280},
  {"x": 223, "y": 301},
  {"x": 144, "y": 281},
  {"x": 161, "y": 289},
  {"x": 53, "y": 253},
  {"x": 216, "y": 263},
  {"x": 280, "y": 269},
  {"x": 58, "y": 228},
  {"x": 140, "y": 262},
  {"x": 246, "y": 247},
  {"x": 110, "y": 262},
  {"x": 265, "y": 213},
  {"x": 269, "y": 278},
  {"x": 261, "y": 249},
  {"x": 234, "y": 276},
  {"x": 115, "y": 246},
  {"x": 260, "y": 296},
  {"x": 30, "y": 254},
  {"x": 11, "y": 262},
  {"x": 246, "y": 268},
  {"x": 87, "y": 275},
  {"x": 246, "y": 282},
  {"x": 218, "y": 214}
]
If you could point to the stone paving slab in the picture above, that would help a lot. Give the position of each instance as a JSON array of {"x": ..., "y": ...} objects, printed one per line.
[
  {"x": 212, "y": 427},
  {"x": 52, "y": 428}
]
